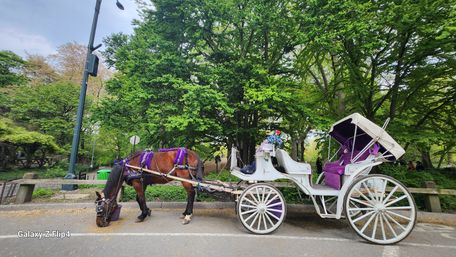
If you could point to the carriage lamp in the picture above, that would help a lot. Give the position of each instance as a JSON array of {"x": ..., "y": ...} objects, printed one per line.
[{"x": 91, "y": 68}]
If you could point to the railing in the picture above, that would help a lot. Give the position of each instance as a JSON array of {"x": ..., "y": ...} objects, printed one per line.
[
  {"x": 4, "y": 193},
  {"x": 28, "y": 183}
]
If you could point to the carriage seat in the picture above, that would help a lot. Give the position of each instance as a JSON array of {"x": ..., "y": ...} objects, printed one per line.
[
  {"x": 291, "y": 166},
  {"x": 334, "y": 170}
]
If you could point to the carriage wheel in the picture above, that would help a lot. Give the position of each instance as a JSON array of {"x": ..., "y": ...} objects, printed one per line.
[
  {"x": 387, "y": 207},
  {"x": 261, "y": 208}
]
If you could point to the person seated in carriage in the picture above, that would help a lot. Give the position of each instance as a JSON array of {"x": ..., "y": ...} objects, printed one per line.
[{"x": 275, "y": 139}]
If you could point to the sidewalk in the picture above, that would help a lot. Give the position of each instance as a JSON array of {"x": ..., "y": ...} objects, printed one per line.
[{"x": 292, "y": 209}]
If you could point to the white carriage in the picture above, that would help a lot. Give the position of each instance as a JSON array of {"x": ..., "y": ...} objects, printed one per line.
[{"x": 379, "y": 208}]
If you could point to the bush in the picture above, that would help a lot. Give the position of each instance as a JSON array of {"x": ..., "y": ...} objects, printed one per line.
[
  {"x": 223, "y": 175},
  {"x": 417, "y": 178},
  {"x": 42, "y": 193},
  {"x": 162, "y": 193}
]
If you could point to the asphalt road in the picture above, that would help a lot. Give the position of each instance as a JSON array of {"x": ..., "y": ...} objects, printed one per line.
[{"x": 212, "y": 232}]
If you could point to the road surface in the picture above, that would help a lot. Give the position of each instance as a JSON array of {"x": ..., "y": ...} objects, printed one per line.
[{"x": 212, "y": 232}]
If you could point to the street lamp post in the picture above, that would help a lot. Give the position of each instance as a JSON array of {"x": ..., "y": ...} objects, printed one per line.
[{"x": 91, "y": 68}]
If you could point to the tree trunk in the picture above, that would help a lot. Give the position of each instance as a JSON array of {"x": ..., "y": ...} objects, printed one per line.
[
  {"x": 426, "y": 158},
  {"x": 294, "y": 149},
  {"x": 303, "y": 148}
]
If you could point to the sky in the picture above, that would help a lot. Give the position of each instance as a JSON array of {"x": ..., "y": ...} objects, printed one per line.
[{"x": 40, "y": 26}]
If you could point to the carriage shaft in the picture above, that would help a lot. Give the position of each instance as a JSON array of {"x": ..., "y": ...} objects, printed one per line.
[{"x": 190, "y": 181}]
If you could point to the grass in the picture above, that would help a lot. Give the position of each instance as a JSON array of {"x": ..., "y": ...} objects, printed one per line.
[
  {"x": 57, "y": 171},
  {"x": 43, "y": 193}
]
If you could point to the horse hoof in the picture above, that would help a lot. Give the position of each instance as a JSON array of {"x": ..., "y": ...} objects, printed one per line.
[
  {"x": 187, "y": 219},
  {"x": 148, "y": 212},
  {"x": 140, "y": 218}
]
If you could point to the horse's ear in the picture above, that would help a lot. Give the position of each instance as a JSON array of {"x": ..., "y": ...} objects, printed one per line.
[{"x": 98, "y": 195}]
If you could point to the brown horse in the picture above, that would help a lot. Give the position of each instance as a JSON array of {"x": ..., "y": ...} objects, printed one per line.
[{"x": 186, "y": 164}]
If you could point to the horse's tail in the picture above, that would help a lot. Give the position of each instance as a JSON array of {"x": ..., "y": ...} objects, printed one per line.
[
  {"x": 199, "y": 170},
  {"x": 114, "y": 180}
]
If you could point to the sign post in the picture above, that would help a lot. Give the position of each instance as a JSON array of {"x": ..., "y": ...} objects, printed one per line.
[{"x": 134, "y": 140}]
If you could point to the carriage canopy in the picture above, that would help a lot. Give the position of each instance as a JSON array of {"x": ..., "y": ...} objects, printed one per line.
[{"x": 358, "y": 129}]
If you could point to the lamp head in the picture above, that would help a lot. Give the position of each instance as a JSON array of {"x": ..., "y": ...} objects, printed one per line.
[{"x": 119, "y": 5}]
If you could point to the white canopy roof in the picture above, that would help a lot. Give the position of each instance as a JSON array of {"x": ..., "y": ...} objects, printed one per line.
[{"x": 374, "y": 131}]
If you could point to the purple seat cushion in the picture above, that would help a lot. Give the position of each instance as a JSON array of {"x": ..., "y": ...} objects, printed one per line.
[
  {"x": 334, "y": 168},
  {"x": 333, "y": 180}
]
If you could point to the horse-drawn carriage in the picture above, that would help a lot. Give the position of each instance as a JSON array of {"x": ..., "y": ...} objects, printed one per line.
[{"x": 379, "y": 208}]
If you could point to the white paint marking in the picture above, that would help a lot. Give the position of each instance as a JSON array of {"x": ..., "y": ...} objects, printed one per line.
[
  {"x": 229, "y": 235},
  {"x": 390, "y": 251},
  {"x": 449, "y": 236}
]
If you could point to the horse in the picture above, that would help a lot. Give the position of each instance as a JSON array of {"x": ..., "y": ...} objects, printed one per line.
[{"x": 179, "y": 162}]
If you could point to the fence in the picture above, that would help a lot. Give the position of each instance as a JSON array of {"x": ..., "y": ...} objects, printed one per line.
[{"x": 27, "y": 185}]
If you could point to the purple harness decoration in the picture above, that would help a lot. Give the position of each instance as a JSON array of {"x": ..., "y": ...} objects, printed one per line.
[
  {"x": 181, "y": 154},
  {"x": 146, "y": 159}
]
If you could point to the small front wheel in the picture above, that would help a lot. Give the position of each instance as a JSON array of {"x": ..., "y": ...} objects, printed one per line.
[
  {"x": 261, "y": 208},
  {"x": 388, "y": 211}
]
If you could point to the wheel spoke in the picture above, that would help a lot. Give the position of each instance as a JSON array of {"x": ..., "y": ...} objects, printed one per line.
[
  {"x": 390, "y": 194},
  {"x": 248, "y": 206},
  {"x": 374, "y": 230},
  {"x": 269, "y": 219},
  {"x": 250, "y": 201},
  {"x": 260, "y": 216},
  {"x": 249, "y": 211},
  {"x": 368, "y": 191},
  {"x": 399, "y": 215},
  {"x": 363, "y": 216},
  {"x": 385, "y": 183},
  {"x": 264, "y": 221},
  {"x": 272, "y": 199},
  {"x": 253, "y": 222},
  {"x": 272, "y": 215},
  {"x": 389, "y": 225},
  {"x": 361, "y": 209},
  {"x": 399, "y": 208},
  {"x": 251, "y": 216},
  {"x": 382, "y": 226},
  {"x": 395, "y": 201},
  {"x": 274, "y": 204},
  {"x": 395, "y": 222},
  {"x": 367, "y": 223},
  {"x": 361, "y": 202},
  {"x": 267, "y": 197},
  {"x": 364, "y": 196},
  {"x": 254, "y": 198}
]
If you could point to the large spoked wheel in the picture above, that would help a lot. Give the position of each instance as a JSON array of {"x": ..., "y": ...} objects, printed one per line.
[
  {"x": 261, "y": 208},
  {"x": 388, "y": 211}
]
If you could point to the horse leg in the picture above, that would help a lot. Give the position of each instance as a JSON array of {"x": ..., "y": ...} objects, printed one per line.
[
  {"x": 190, "y": 200},
  {"x": 141, "y": 199}
]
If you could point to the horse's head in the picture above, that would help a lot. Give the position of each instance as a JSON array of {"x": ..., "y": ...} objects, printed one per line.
[{"x": 104, "y": 208}]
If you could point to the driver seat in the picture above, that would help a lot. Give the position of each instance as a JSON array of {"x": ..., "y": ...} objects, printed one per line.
[{"x": 291, "y": 166}]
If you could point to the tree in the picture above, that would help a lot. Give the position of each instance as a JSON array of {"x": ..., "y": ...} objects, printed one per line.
[
  {"x": 10, "y": 69},
  {"x": 39, "y": 71},
  {"x": 48, "y": 108},
  {"x": 70, "y": 63},
  {"x": 29, "y": 141}
]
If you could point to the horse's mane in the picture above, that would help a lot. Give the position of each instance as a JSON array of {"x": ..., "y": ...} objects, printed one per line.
[
  {"x": 116, "y": 175},
  {"x": 113, "y": 180}
]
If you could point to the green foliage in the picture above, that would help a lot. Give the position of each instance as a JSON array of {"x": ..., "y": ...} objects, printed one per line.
[
  {"x": 10, "y": 67},
  {"x": 42, "y": 193},
  {"x": 223, "y": 175},
  {"x": 50, "y": 108},
  {"x": 29, "y": 141},
  {"x": 442, "y": 179},
  {"x": 158, "y": 193}
]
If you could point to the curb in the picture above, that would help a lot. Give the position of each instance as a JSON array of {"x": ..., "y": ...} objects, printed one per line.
[{"x": 422, "y": 217}]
